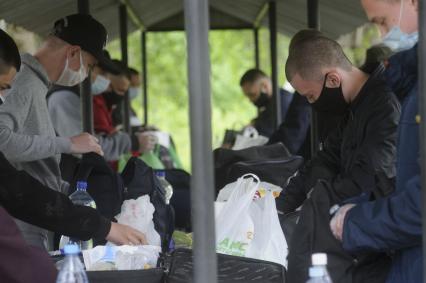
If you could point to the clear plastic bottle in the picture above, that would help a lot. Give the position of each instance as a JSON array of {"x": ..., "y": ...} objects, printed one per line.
[
  {"x": 316, "y": 275},
  {"x": 166, "y": 185},
  {"x": 320, "y": 260},
  {"x": 72, "y": 269},
  {"x": 79, "y": 197}
]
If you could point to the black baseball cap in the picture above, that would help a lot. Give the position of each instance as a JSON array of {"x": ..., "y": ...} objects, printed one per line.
[
  {"x": 109, "y": 65},
  {"x": 86, "y": 32}
]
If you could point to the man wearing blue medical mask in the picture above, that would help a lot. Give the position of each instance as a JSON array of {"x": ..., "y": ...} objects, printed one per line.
[
  {"x": 393, "y": 224},
  {"x": 65, "y": 111},
  {"x": 396, "y": 21}
]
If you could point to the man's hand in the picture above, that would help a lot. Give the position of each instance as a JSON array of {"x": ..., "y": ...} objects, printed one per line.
[
  {"x": 147, "y": 141},
  {"x": 336, "y": 223},
  {"x": 84, "y": 143},
  {"x": 125, "y": 235}
]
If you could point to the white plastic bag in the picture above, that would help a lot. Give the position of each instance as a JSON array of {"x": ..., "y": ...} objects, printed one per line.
[
  {"x": 263, "y": 187},
  {"x": 248, "y": 226},
  {"x": 249, "y": 138},
  {"x": 138, "y": 214},
  {"x": 121, "y": 257},
  {"x": 234, "y": 226}
]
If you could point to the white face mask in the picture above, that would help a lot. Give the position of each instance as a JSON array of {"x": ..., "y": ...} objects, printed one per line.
[
  {"x": 396, "y": 39},
  {"x": 133, "y": 92},
  {"x": 100, "y": 85},
  {"x": 69, "y": 77}
]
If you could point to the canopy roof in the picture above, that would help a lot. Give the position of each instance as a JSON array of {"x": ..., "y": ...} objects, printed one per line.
[{"x": 337, "y": 17}]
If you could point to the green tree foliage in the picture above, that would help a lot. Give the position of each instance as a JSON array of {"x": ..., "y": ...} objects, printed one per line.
[{"x": 232, "y": 53}]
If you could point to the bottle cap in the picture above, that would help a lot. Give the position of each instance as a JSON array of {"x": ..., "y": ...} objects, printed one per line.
[
  {"x": 319, "y": 259},
  {"x": 71, "y": 249},
  {"x": 316, "y": 272},
  {"x": 109, "y": 253},
  {"x": 81, "y": 185},
  {"x": 160, "y": 174}
]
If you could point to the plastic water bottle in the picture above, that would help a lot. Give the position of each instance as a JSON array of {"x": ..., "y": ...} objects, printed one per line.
[
  {"x": 72, "y": 269},
  {"x": 165, "y": 184},
  {"x": 316, "y": 275},
  {"x": 79, "y": 197},
  {"x": 320, "y": 260}
]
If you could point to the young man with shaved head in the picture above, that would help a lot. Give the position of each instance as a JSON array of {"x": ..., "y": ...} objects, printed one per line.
[{"x": 358, "y": 158}]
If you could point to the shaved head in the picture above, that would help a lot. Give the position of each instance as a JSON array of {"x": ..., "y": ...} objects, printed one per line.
[{"x": 310, "y": 52}]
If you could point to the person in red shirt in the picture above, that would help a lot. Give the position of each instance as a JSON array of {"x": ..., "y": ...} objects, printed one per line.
[{"x": 105, "y": 103}]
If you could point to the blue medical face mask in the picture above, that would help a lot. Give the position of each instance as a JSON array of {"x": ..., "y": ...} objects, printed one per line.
[
  {"x": 396, "y": 39},
  {"x": 133, "y": 92},
  {"x": 100, "y": 85}
]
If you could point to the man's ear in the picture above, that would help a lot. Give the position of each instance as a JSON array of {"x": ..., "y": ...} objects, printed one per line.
[
  {"x": 415, "y": 3},
  {"x": 74, "y": 51},
  {"x": 333, "y": 80}
]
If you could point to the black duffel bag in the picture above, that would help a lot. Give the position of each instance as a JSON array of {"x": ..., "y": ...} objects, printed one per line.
[
  {"x": 225, "y": 158},
  {"x": 231, "y": 269},
  {"x": 276, "y": 171}
]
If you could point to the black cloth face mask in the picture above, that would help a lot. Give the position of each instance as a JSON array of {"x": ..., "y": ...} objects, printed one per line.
[
  {"x": 262, "y": 100},
  {"x": 331, "y": 100},
  {"x": 112, "y": 98}
]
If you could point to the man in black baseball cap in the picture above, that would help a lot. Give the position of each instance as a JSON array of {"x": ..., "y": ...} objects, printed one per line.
[
  {"x": 86, "y": 32},
  {"x": 27, "y": 137}
]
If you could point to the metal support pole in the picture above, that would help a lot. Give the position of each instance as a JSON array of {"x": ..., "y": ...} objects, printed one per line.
[
  {"x": 313, "y": 14},
  {"x": 144, "y": 78},
  {"x": 256, "y": 47},
  {"x": 83, "y": 7},
  {"x": 314, "y": 23},
  {"x": 123, "y": 42},
  {"x": 202, "y": 190},
  {"x": 274, "y": 62},
  {"x": 86, "y": 103},
  {"x": 422, "y": 111}
]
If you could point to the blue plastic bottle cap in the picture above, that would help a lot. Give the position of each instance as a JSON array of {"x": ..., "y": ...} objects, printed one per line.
[
  {"x": 109, "y": 254},
  {"x": 82, "y": 186},
  {"x": 71, "y": 249},
  {"x": 160, "y": 174},
  {"x": 316, "y": 272}
]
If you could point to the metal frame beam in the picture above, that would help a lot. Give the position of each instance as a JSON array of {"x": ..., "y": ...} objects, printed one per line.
[
  {"x": 133, "y": 15},
  {"x": 274, "y": 62},
  {"x": 86, "y": 102},
  {"x": 122, "y": 9},
  {"x": 202, "y": 190},
  {"x": 261, "y": 15}
]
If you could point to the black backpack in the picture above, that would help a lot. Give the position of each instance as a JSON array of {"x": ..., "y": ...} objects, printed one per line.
[
  {"x": 139, "y": 179},
  {"x": 181, "y": 199},
  {"x": 312, "y": 234},
  {"x": 103, "y": 184}
]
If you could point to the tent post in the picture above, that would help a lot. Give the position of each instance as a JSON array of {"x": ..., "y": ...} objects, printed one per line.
[
  {"x": 86, "y": 103},
  {"x": 422, "y": 111},
  {"x": 202, "y": 183},
  {"x": 256, "y": 47},
  {"x": 144, "y": 78},
  {"x": 314, "y": 23},
  {"x": 124, "y": 58},
  {"x": 274, "y": 62}
]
